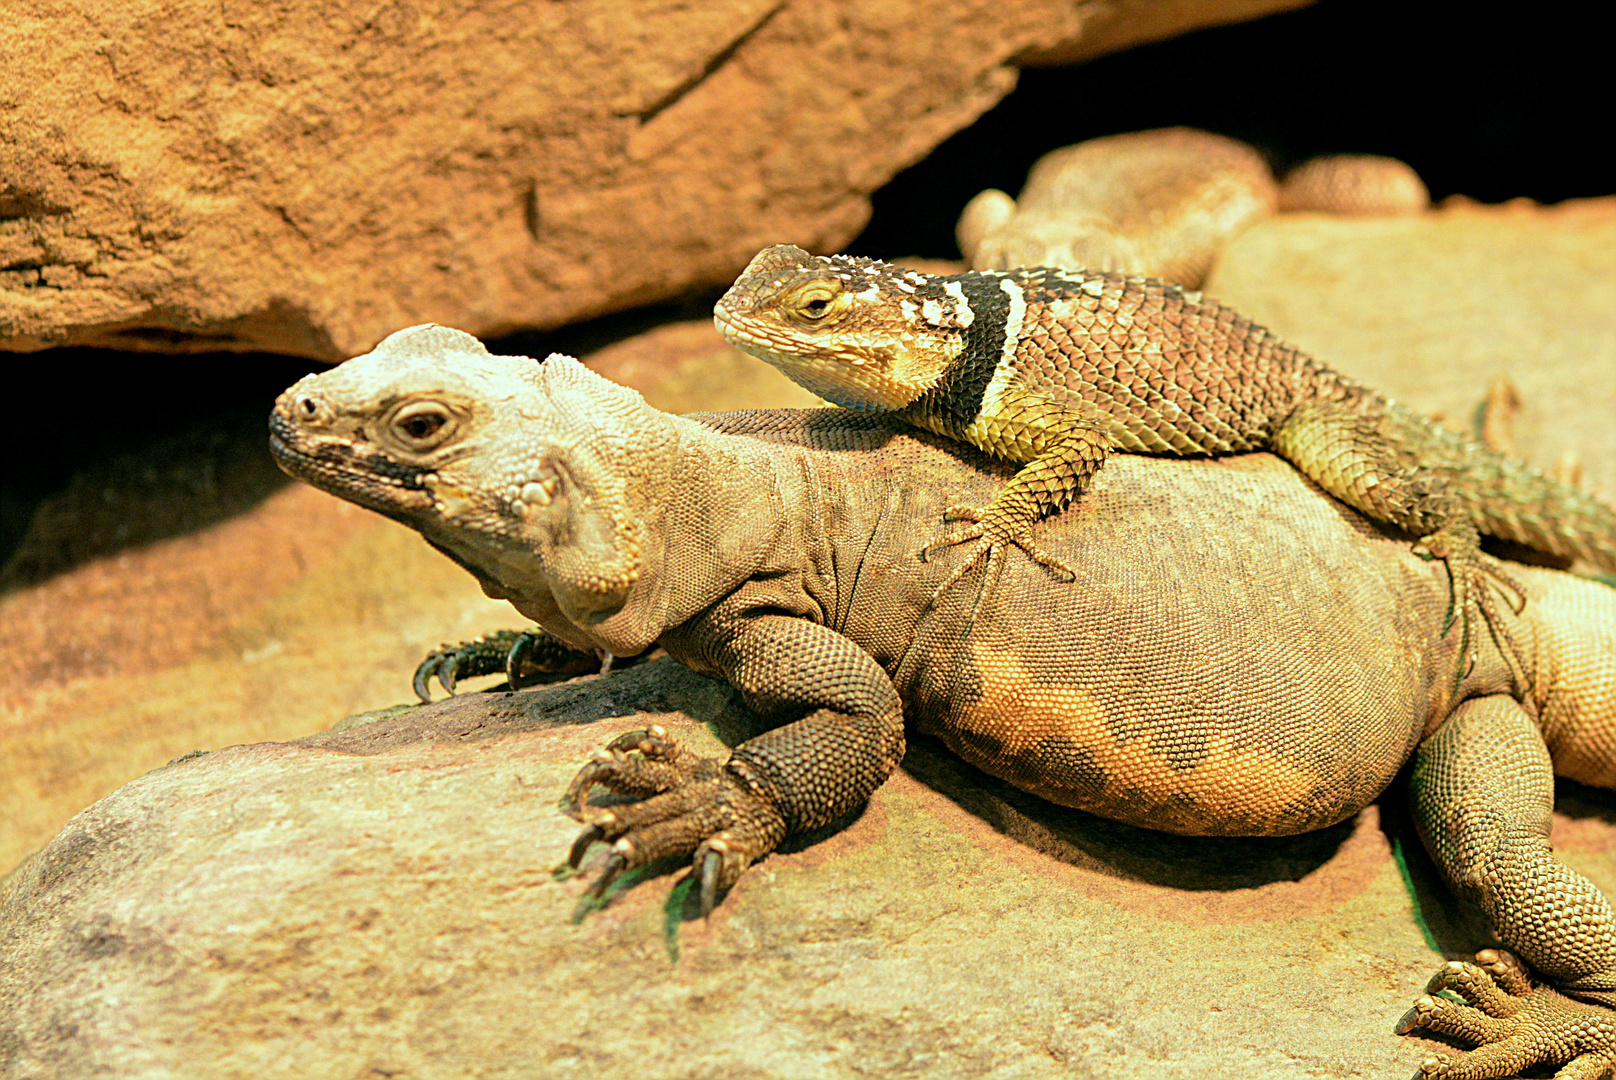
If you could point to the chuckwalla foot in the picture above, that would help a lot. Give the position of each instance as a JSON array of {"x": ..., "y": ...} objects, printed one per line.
[
  {"x": 520, "y": 654},
  {"x": 992, "y": 533},
  {"x": 1515, "y": 1024},
  {"x": 691, "y": 805}
]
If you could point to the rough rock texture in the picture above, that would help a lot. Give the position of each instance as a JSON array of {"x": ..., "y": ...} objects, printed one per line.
[
  {"x": 1430, "y": 308},
  {"x": 305, "y": 178},
  {"x": 379, "y": 902},
  {"x": 1122, "y": 24}
]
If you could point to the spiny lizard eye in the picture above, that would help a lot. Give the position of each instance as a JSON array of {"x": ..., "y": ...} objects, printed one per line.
[{"x": 816, "y": 303}]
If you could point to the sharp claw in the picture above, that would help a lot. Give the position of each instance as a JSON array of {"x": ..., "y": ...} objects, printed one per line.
[
  {"x": 614, "y": 865},
  {"x": 423, "y": 678},
  {"x": 446, "y": 672},
  {"x": 606, "y": 659},
  {"x": 582, "y": 844},
  {"x": 629, "y": 740},
  {"x": 514, "y": 659},
  {"x": 572, "y": 803},
  {"x": 711, "y": 863}
]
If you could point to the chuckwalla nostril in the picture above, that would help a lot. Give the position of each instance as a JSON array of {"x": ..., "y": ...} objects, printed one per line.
[{"x": 308, "y": 407}]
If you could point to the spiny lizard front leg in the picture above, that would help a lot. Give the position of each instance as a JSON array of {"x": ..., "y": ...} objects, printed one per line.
[
  {"x": 1483, "y": 790},
  {"x": 791, "y": 779},
  {"x": 1072, "y": 449},
  {"x": 1357, "y": 459}
]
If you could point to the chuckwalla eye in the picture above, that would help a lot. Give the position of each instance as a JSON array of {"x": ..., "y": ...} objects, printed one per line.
[{"x": 423, "y": 425}]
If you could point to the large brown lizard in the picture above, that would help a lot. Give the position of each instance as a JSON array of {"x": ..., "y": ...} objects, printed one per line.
[
  {"x": 1240, "y": 655},
  {"x": 1056, "y": 368}
]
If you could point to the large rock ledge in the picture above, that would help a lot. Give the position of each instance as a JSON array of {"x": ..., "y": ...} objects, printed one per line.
[
  {"x": 305, "y": 178},
  {"x": 379, "y": 901}
]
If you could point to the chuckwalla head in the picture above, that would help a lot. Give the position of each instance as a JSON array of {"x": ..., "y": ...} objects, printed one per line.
[
  {"x": 861, "y": 333},
  {"x": 530, "y": 475}
]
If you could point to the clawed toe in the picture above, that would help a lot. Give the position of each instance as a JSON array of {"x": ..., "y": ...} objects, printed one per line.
[
  {"x": 1513, "y": 1024},
  {"x": 522, "y": 655},
  {"x": 1474, "y": 580},
  {"x": 991, "y": 535},
  {"x": 690, "y": 805},
  {"x": 468, "y": 659}
]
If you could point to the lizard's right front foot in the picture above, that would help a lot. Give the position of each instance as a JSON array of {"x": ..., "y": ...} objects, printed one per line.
[
  {"x": 1515, "y": 1024},
  {"x": 691, "y": 804},
  {"x": 993, "y": 532}
]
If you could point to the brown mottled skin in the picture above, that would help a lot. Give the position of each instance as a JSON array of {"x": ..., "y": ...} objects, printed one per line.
[
  {"x": 1364, "y": 184},
  {"x": 1057, "y": 368},
  {"x": 1239, "y": 654},
  {"x": 1081, "y": 206}
]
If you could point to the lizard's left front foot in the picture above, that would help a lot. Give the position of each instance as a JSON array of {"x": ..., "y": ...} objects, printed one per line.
[
  {"x": 993, "y": 532},
  {"x": 691, "y": 804},
  {"x": 1515, "y": 1024}
]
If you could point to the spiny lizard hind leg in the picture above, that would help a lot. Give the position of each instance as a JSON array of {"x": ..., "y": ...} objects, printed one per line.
[
  {"x": 1474, "y": 580},
  {"x": 691, "y": 805},
  {"x": 1514, "y": 1024}
]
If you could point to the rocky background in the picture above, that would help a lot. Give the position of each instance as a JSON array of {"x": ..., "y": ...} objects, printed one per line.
[{"x": 290, "y": 183}]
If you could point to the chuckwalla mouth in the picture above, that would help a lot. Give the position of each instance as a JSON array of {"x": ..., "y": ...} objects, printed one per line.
[{"x": 370, "y": 479}]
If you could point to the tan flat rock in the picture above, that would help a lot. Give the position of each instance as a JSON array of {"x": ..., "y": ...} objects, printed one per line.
[{"x": 380, "y": 901}]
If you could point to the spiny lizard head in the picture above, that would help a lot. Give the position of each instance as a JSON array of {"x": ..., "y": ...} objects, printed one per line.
[
  {"x": 529, "y": 475},
  {"x": 864, "y": 334}
]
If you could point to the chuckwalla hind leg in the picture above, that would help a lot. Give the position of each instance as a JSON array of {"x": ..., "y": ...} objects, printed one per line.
[
  {"x": 1516, "y": 1024},
  {"x": 1483, "y": 789}
]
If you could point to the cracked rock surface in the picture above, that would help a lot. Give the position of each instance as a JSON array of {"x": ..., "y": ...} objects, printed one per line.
[{"x": 305, "y": 178}]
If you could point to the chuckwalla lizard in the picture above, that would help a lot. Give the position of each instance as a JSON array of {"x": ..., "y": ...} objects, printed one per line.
[
  {"x": 1239, "y": 656},
  {"x": 1056, "y": 368},
  {"x": 1163, "y": 203}
]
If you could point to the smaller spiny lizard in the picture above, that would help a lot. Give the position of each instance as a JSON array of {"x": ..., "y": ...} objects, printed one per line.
[{"x": 1056, "y": 368}]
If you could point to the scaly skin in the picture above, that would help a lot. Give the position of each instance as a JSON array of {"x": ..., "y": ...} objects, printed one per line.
[
  {"x": 1056, "y": 368},
  {"x": 1239, "y": 655},
  {"x": 1081, "y": 206}
]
